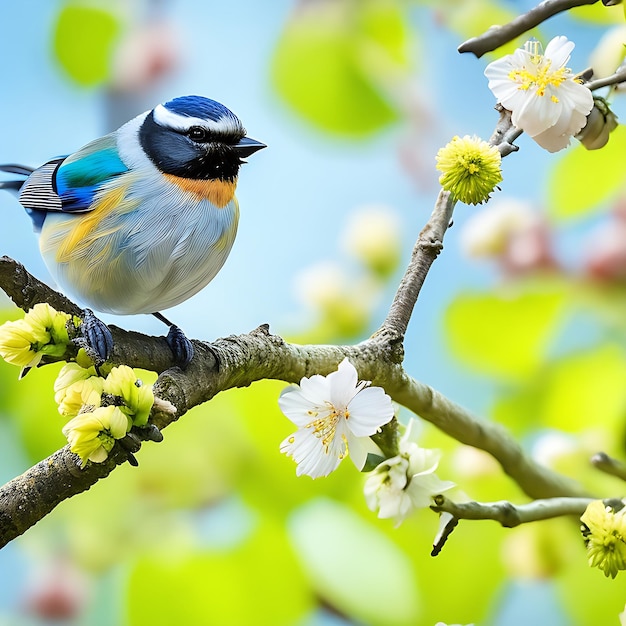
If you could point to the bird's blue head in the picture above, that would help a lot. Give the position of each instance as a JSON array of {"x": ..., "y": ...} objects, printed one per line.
[{"x": 195, "y": 137}]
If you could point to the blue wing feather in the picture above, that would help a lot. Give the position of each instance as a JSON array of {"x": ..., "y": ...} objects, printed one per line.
[
  {"x": 80, "y": 175},
  {"x": 68, "y": 184}
]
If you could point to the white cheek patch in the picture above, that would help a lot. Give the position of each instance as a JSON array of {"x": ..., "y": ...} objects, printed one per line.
[
  {"x": 129, "y": 146},
  {"x": 227, "y": 124}
]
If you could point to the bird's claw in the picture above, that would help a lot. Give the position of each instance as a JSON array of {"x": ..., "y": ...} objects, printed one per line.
[
  {"x": 97, "y": 336},
  {"x": 181, "y": 347}
]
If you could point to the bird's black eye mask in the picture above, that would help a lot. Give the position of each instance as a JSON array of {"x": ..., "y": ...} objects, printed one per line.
[{"x": 196, "y": 153}]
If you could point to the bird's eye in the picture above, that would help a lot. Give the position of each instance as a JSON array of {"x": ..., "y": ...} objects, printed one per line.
[{"x": 197, "y": 133}]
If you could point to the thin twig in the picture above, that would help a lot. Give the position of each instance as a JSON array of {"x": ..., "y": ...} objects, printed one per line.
[
  {"x": 429, "y": 245},
  {"x": 497, "y": 36},
  {"x": 614, "y": 79},
  {"x": 510, "y": 515},
  {"x": 609, "y": 465}
]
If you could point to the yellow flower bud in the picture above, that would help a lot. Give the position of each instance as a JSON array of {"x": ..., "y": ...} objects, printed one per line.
[
  {"x": 604, "y": 530},
  {"x": 70, "y": 374},
  {"x": 81, "y": 393},
  {"x": 470, "y": 169},
  {"x": 20, "y": 343},
  {"x": 92, "y": 435},
  {"x": 42, "y": 332},
  {"x": 137, "y": 397}
]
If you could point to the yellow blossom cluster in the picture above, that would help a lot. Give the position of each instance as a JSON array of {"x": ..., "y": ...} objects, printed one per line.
[
  {"x": 604, "y": 531},
  {"x": 41, "y": 332},
  {"x": 102, "y": 408}
]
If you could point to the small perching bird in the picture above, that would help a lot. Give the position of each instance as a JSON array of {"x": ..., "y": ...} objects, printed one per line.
[{"x": 141, "y": 219}]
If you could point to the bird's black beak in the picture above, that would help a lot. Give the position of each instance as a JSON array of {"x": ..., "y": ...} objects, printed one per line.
[{"x": 248, "y": 146}]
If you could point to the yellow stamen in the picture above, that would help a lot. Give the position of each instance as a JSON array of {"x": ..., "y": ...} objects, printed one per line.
[
  {"x": 543, "y": 78},
  {"x": 324, "y": 428}
]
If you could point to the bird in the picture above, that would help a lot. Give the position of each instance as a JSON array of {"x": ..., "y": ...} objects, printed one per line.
[{"x": 143, "y": 218}]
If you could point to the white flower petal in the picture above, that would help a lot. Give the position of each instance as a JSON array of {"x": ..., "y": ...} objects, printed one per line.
[
  {"x": 359, "y": 448},
  {"x": 309, "y": 454},
  {"x": 315, "y": 389},
  {"x": 545, "y": 99},
  {"x": 536, "y": 114},
  {"x": 336, "y": 414},
  {"x": 422, "y": 488},
  {"x": 343, "y": 384},
  {"x": 296, "y": 407},
  {"x": 370, "y": 409},
  {"x": 559, "y": 50},
  {"x": 422, "y": 460},
  {"x": 394, "y": 505}
]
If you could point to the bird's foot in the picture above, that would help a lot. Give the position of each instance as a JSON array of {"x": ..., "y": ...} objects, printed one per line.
[
  {"x": 181, "y": 347},
  {"x": 97, "y": 336}
]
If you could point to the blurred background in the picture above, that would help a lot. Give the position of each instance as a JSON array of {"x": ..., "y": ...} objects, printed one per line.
[{"x": 521, "y": 318}]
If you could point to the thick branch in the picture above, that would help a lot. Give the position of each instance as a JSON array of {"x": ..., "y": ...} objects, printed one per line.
[
  {"x": 239, "y": 361},
  {"x": 497, "y": 36},
  {"x": 537, "y": 481}
]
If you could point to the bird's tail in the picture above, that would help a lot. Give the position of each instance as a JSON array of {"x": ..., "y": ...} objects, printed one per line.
[{"x": 20, "y": 170}]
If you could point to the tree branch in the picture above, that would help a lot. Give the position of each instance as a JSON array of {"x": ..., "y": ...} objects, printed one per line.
[
  {"x": 617, "y": 77},
  {"x": 429, "y": 245},
  {"x": 497, "y": 36},
  {"x": 508, "y": 514},
  {"x": 238, "y": 361},
  {"x": 609, "y": 465}
]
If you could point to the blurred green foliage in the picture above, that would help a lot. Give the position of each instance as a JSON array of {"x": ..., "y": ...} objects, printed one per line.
[
  {"x": 335, "y": 61},
  {"x": 582, "y": 180},
  {"x": 83, "y": 40},
  {"x": 504, "y": 333}
]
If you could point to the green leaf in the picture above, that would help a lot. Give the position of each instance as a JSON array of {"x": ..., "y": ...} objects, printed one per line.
[
  {"x": 334, "y": 58},
  {"x": 584, "y": 179},
  {"x": 257, "y": 583},
  {"x": 83, "y": 39},
  {"x": 503, "y": 334},
  {"x": 353, "y": 566},
  {"x": 572, "y": 394},
  {"x": 470, "y": 17},
  {"x": 598, "y": 13},
  {"x": 586, "y": 388}
]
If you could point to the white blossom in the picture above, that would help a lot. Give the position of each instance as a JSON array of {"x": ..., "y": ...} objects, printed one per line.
[
  {"x": 404, "y": 482},
  {"x": 335, "y": 415},
  {"x": 547, "y": 101}
]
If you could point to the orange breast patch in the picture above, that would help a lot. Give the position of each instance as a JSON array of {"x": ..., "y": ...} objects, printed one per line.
[{"x": 218, "y": 192}]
